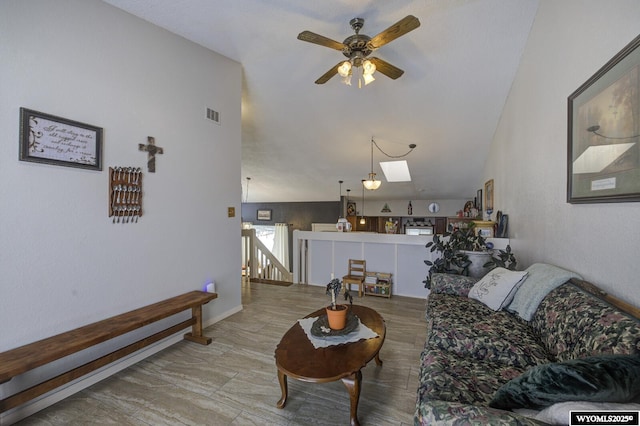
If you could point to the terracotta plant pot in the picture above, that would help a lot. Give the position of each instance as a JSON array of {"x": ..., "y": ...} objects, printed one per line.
[{"x": 337, "y": 319}]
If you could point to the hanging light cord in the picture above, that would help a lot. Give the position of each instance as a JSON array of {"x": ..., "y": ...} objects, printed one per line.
[
  {"x": 362, "y": 212},
  {"x": 246, "y": 195},
  {"x": 373, "y": 142}
]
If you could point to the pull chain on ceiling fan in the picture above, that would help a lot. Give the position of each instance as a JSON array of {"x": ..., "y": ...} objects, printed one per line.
[{"x": 357, "y": 49}]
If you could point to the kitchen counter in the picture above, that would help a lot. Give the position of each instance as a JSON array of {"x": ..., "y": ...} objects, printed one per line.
[{"x": 320, "y": 256}]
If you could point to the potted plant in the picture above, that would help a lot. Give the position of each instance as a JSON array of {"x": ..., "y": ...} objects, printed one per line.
[
  {"x": 504, "y": 259},
  {"x": 337, "y": 314},
  {"x": 465, "y": 252},
  {"x": 450, "y": 261},
  {"x": 476, "y": 249}
]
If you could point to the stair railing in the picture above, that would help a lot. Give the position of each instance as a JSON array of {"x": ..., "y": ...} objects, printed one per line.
[{"x": 258, "y": 262}]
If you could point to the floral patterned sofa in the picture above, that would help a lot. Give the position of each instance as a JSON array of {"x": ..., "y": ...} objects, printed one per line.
[{"x": 473, "y": 351}]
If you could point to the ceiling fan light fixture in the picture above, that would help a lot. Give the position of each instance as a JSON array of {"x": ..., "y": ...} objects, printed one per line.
[
  {"x": 368, "y": 78},
  {"x": 368, "y": 67},
  {"x": 358, "y": 47},
  {"x": 344, "y": 69}
]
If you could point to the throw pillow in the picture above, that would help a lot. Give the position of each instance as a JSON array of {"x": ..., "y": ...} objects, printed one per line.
[
  {"x": 605, "y": 378},
  {"x": 541, "y": 280},
  {"x": 496, "y": 289}
]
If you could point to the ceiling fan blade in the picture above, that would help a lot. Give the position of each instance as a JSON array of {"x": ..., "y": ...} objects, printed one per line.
[
  {"x": 400, "y": 28},
  {"x": 327, "y": 75},
  {"x": 321, "y": 40},
  {"x": 386, "y": 68}
]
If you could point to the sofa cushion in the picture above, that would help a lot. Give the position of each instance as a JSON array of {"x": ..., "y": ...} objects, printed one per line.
[
  {"x": 541, "y": 279},
  {"x": 497, "y": 288},
  {"x": 607, "y": 378},
  {"x": 446, "y": 376},
  {"x": 573, "y": 324},
  {"x": 457, "y": 285},
  {"x": 447, "y": 413},
  {"x": 471, "y": 329}
]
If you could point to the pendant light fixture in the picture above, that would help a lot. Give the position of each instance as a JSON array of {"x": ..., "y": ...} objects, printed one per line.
[
  {"x": 371, "y": 184},
  {"x": 340, "y": 199},
  {"x": 362, "y": 221}
]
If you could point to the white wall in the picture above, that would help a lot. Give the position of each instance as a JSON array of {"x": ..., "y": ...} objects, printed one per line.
[
  {"x": 63, "y": 263},
  {"x": 448, "y": 207},
  {"x": 570, "y": 40}
]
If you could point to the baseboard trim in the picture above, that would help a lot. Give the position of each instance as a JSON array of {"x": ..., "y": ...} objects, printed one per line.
[{"x": 57, "y": 395}]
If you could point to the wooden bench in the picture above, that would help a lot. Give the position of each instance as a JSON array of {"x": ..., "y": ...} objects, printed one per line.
[{"x": 24, "y": 358}]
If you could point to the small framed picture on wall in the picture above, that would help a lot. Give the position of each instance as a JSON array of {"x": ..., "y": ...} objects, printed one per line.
[
  {"x": 263, "y": 214},
  {"x": 46, "y": 138},
  {"x": 351, "y": 208},
  {"x": 488, "y": 195}
]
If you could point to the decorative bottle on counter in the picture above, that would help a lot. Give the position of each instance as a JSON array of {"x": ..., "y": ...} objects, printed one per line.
[{"x": 409, "y": 209}]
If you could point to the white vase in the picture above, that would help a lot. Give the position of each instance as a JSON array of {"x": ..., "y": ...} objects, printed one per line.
[{"x": 478, "y": 259}]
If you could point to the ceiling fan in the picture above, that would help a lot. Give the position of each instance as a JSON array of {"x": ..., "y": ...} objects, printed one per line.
[{"x": 358, "y": 47}]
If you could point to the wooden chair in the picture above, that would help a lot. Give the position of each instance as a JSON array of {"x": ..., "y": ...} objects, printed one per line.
[{"x": 356, "y": 275}]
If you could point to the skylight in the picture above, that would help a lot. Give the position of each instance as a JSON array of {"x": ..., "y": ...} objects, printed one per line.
[{"x": 396, "y": 171}]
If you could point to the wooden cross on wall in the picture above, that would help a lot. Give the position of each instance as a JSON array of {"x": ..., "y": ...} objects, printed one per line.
[{"x": 152, "y": 149}]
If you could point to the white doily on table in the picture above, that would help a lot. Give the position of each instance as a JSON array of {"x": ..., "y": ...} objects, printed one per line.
[{"x": 362, "y": 332}]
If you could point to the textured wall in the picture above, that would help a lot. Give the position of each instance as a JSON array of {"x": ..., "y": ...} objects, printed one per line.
[
  {"x": 570, "y": 41},
  {"x": 63, "y": 263}
]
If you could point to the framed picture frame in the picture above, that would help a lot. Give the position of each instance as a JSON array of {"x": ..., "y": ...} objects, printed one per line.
[
  {"x": 351, "y": 208},
  {"x": 263, "y": 214},
  {"x": 488, "y": 195},
  {"x": 603, "y": 149},
  {"x": 46, "y": 138},
  {"x": 479, "y": 200}
]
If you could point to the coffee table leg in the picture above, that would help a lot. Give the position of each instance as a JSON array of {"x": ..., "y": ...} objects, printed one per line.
[
  {"x": 282, "y": 378},
  {"x": 378, "y": 360},
  {"x": 353, "y": 383}
]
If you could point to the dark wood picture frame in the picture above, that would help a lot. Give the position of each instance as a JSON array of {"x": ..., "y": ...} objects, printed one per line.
[
  {"x": 603, "y": 149},
  {"x": 263, "y": 214},
  {"x": 488, "y": 195},
  {"x": 46, "y": 138},
  {"x": 351, "y": 208}
]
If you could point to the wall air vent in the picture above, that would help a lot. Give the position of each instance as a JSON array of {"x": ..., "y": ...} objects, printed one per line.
[{"x": 213, "y": 115}]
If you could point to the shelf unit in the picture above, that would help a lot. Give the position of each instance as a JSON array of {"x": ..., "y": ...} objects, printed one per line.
[
  {"x": 483, "y": 226},
  {"x": 377, "y": 284}
]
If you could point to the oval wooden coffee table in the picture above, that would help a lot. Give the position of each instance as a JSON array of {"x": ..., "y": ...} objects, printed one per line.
[{"x": 297, "y": 358}]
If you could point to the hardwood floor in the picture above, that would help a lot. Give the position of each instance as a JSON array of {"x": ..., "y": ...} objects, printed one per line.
[{"x": 234, "y": 381}]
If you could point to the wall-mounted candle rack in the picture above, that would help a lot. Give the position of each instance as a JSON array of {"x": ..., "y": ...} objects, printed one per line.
[{"x": 125, "y": 194}]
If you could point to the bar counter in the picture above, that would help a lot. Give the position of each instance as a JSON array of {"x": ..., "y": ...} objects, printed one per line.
[{"x": 320, "y": 256}]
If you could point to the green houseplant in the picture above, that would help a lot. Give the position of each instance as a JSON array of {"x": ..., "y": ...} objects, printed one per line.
[
  {"x": 336, "y": 313},
  {"x": 474, "y": 246},
  {"x": 504, "y": 259},
  {"x": 457, "y": 253}
]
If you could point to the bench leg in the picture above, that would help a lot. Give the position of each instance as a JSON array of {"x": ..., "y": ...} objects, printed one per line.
[{"x": 196, "y": 328}]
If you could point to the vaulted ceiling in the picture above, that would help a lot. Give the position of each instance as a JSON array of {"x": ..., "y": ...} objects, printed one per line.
[{"x": 300, "y": 138}]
